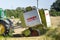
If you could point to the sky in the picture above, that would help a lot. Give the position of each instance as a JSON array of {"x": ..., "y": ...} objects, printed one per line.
[{"x": 13, "y": 4}]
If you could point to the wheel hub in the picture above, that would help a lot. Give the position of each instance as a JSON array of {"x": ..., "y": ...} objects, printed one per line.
[{"x": 2, "y": 29}]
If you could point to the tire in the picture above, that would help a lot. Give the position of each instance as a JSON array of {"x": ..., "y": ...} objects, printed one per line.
[
  {"x": 4, "y": 25},
  {"x": 34, "y": 33}
]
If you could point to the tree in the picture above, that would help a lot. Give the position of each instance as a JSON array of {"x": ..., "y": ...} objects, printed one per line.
[
  {"x": 18, "y": 11},
  {"x": 56, "y": 5},
  {"x": 28, "y": 8},
  {"x": 14, "y": 12},
  {"x": 8, "y": 12},
  {"x": 53, "y": 12},
  {"x": 55, "y": 8}
]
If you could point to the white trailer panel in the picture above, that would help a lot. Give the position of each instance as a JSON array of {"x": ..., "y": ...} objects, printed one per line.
[{"x": 32, "y": 18}]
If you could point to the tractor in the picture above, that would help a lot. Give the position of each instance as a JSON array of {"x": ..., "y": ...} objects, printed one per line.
[{"x": 5, "y": 23}]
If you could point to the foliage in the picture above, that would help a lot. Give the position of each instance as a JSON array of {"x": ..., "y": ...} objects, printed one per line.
[
  {"x": 28, "y": 8},
  {"x": 26, "y": 32},
  {"x": 16, "y": 12},
  {"x": 54, "y": 13},
  {"x": 55, "y": 8},
  {"x": 56, "y": 5}
]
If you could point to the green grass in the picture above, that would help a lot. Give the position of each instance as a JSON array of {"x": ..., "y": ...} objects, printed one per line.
[{"x": 1, "y": 38}]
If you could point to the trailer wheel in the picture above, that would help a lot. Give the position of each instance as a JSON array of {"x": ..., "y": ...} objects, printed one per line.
[{"x": 34, "y": 33}]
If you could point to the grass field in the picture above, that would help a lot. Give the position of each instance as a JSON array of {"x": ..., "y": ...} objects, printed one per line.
[
  {"x": 29, "y": 38},
  {"x": 55, "y": 22}
]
